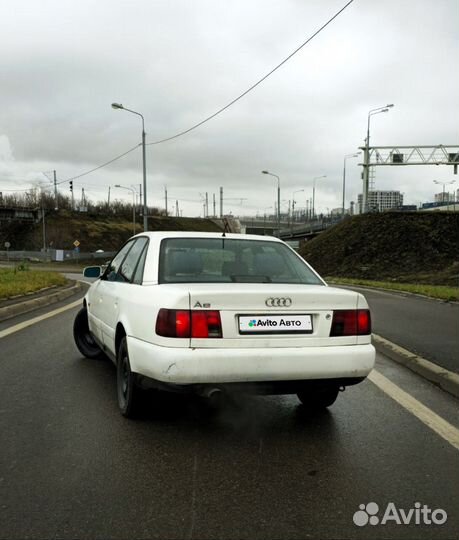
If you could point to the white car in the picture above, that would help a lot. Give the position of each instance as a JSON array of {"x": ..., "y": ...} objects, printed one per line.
[{"x": 215, "y": 312}]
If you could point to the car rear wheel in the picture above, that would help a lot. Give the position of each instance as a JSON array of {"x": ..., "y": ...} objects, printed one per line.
[
  {"x": 83, "y": 337},
  {"x": 318, "y": 397},
  {"x": 128, "y": 391}
]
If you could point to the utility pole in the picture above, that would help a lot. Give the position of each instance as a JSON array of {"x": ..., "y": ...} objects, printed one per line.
[
  {"x": 214, "y": 214},
  {"x": 44, "y": 224},
  {"x": 108, "y": 200},
  {"x": 207, "y": 205},
  {"x": 221, "y": 203},
  {"x": 165, "y": 197},
  {"x": 56, "y": 207},
  {"x": 176, "y": 208},
  {"x": 71, "y": 189}
]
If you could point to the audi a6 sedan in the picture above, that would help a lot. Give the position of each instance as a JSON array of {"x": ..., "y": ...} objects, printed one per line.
[{"x": 220, "y": 314}]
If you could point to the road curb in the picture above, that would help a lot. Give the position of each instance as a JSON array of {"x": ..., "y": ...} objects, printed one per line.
[
  {"x": 445, "y": 379},
  {"x": 7, "y": 312},
  {"x": 393, "y": 291}
]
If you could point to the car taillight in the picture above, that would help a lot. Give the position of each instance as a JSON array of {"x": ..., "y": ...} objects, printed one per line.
[
  {"x": 351, "y": 322},
  {"x": 189, "y": 323}
]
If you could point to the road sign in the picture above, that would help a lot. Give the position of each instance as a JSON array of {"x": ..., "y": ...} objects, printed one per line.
[
  {"x": 76, "y": 243},
  {"x": 7, "y": 245}
]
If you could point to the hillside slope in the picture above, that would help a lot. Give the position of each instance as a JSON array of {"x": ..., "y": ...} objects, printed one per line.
[
  {"x": 407, "y": 247},
  {"x": 92, "y": 231}
]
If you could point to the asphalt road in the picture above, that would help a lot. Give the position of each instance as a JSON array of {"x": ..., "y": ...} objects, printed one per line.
[
  {"x": 72, "y": 467},
  {"x": 424, "y": 326}
]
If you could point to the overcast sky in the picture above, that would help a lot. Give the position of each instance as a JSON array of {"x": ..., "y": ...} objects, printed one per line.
[{"x": 177, "y": 61}]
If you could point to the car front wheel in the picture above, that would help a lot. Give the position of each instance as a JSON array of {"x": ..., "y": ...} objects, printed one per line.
[
  {"x": 318, "y": 397},
  {"x": 128, "y": 391},
  {"x": 83, "y": 337}
]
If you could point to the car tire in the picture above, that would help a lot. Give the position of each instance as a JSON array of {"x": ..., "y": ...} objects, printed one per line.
[
  {"x": 318, "y": 397},
  {"x": 127, "y": 389},
  {"x": 83, "y": 337}
]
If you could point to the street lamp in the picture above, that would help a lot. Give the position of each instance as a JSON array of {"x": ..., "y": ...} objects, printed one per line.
[
  {"x": 144, "y": 163},
  {"x": 314, "y": 194},
  {"x": 278, "y": 198},
  {"x": 366, "y": 161},
  {"x": 133, "y": 204},
  {"x": 344, "y": 177},
  {"x": 293, "y": 202},
  {"x": 444, "y": 184}
]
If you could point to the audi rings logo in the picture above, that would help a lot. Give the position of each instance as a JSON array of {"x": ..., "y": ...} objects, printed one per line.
[{"x": 278, "y": 302}]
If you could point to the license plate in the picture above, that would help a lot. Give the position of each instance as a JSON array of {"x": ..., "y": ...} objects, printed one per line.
[{"x": 275, "y": 324}]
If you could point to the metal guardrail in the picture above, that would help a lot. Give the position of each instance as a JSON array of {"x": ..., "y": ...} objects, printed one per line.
[
  {"x": 60, "y": 255},
  {"x": 311, "y": 227}
]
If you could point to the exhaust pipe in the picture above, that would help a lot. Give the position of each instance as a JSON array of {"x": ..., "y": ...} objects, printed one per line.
[{"x": 215, "y": 395}]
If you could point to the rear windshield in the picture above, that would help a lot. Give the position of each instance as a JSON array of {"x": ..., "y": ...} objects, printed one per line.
[{"x": 222, "y": 260}]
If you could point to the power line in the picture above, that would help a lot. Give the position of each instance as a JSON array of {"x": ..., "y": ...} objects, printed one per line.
[
  {"x": 16, "y": 190},
  {"x": 101, "y": 166},
  {"x": 227, "y": 106},
  {"x": 256, "y": 84}
]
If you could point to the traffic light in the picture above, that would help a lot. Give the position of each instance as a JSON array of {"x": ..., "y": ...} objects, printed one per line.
[{"x": 71, "y": 185}]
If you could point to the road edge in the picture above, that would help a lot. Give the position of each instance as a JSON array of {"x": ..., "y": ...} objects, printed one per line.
[
  {"x": 19, "y": 308},
  {"x": 393, "y": 291},
  {"x": 445, "y": 379}
]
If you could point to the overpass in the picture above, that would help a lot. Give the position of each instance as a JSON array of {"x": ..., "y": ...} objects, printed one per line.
[
  {"x": 289, "y": 232},
  {"x": 10, "y": 213}
]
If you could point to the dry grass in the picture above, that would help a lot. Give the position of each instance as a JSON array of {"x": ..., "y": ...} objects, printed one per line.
[
  {"x": 15, "y": 281},
  {"x": 433, "y": 291}
]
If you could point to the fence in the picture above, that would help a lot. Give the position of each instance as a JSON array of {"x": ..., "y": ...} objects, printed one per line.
[{"x": 60, "y": 255}]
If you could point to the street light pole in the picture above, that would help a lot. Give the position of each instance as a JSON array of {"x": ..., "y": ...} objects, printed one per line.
[
  {"x": 144, "y": 163},
  {"x": 293, "y": 202},
  {"x": 366, "y": 160},
  {"x": 344, "y": 179},
  {"x": 314, "y": 194},
  {"x": 44, "y": 222},
  {"x": 278, "y": 198},
  {"x": 133, "y": 204}
]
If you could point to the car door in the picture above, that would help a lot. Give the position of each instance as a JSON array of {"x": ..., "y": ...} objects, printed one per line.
[
  {"x": 101, "y": 301},
  {"x": 116, "y": 288}
]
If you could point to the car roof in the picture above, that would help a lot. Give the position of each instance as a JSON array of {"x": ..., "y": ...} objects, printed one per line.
[{"x": 196, "y": 234}]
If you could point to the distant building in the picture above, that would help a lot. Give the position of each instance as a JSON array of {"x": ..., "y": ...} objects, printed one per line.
[
  {"x": 379, "y": 201},
  {"x": 444, "y": 197}
]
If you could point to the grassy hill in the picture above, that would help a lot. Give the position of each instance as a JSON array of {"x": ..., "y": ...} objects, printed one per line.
[
  {"x": 418, "y": 247},
  {"x": 92, "y": 231}
]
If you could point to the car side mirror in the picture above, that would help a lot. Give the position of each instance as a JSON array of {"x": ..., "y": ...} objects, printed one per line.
[{"x": 92, "y": 271}]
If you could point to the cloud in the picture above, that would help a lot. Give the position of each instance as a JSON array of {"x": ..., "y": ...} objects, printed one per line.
[{"x": 63, "y": 64}]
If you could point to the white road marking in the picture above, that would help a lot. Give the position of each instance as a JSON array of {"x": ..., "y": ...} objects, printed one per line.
[
  {"x": 416, "y": 408},
  {"x": 30, "y": 322}
]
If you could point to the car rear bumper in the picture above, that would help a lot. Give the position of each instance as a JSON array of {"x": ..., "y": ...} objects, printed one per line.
[{"x": 202, "y": 366}]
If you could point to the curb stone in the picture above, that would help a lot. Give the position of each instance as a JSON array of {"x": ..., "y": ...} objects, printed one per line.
[
  {"x": 7, "y": 312},
  {"x": 445, "y": 379},
  {"x": 394, "y": 291}
]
